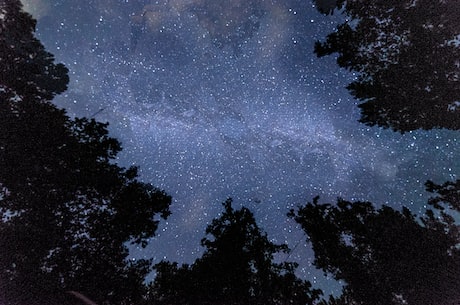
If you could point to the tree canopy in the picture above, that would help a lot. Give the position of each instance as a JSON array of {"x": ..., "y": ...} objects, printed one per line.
[
  {"x": 384, "y": 256},
  {"x": 405, "y": 55},
  {"x": 447, "y": 195},
  {"x": 237, "y": 267},
  {"x": 27, "y": 68},
  {"x": 68, "y": 210},
  {"x": 406, "y": 58}
]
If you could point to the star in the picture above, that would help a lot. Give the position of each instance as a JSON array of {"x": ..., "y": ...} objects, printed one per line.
[{"x": 259, "y": 119}]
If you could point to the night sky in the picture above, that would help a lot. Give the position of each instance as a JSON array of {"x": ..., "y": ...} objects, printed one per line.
[{"x": 209, "y": 112}]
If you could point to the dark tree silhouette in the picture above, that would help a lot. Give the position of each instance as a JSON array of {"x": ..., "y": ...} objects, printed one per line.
[
  {"x": 26, "y": 68},
  {"x": 236, "y": 268},
  {"x": 68, "y": 210},
  {"x": 384, "y": 256},
  {"x": 406, "y": 57},
  {"x": 448, "y": 194}
]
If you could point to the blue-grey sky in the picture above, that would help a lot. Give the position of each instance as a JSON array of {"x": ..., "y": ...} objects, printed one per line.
[{"x": 208, "y": 112}]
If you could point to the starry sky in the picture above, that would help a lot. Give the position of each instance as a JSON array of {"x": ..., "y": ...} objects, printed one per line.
[{"x": 228, "y": 100}]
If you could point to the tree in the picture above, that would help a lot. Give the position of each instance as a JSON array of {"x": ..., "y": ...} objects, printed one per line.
[
  {"x": 384, "y": 256},
  {"x": 68, "y": 210},
  {"x": 448, "y": 194},
  {"x": 27, "y": 69},
  {"x": 406, "y": 57},
  {"x": 236, "y": 268}
]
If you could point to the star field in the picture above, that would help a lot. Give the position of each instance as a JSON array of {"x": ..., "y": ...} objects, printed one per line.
[{"x": 267, "y": 124}]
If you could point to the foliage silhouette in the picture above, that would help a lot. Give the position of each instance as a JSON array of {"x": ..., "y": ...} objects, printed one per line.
[
  {"x": 27, "y": 69},
  {"x": 448, "y": 194},
  {"x": 384, "y": 256},
  {"x": 236, "y": 268},
  {"x": 68, "y": 211},
  {"x": 405, "y": 55}
]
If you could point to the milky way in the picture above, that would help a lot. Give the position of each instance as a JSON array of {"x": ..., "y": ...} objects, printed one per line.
[{"x": 260, "y": 120}]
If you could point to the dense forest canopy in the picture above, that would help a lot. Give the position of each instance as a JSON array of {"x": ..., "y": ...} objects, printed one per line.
[
  {"x": 384, "y": 256},
  {"x": 406, "y": 58},
  {"x": 69, "y": 211},
  {"x": 28, "y": 70},
  {"x": 237, "y": 267}
]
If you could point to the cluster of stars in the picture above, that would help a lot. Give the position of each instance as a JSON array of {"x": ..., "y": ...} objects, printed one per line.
[{"x": 271, "y": 127}]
